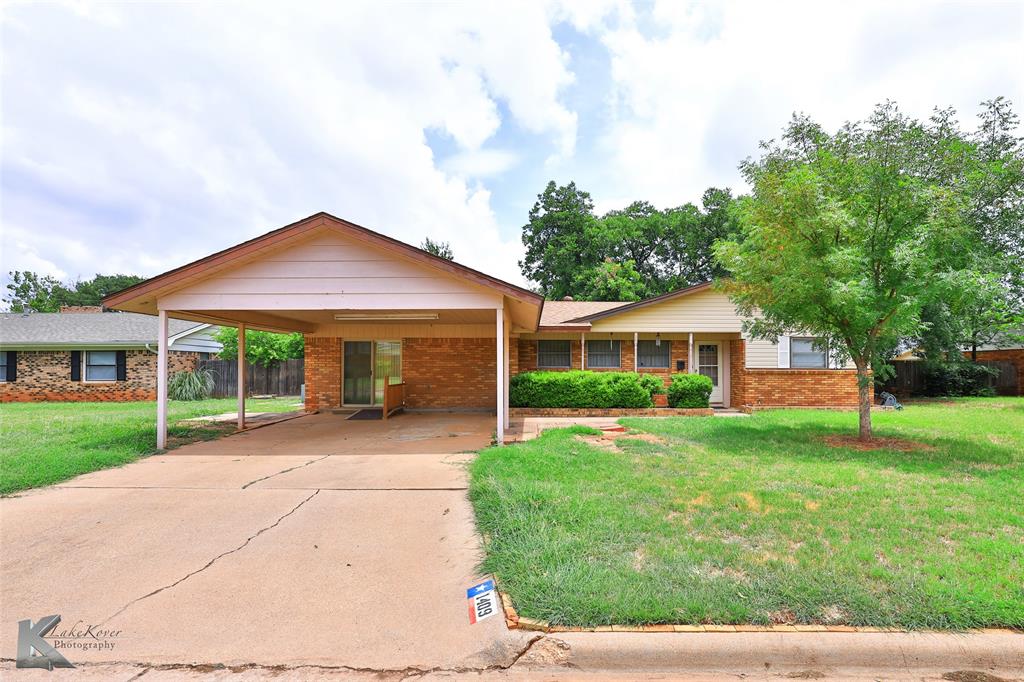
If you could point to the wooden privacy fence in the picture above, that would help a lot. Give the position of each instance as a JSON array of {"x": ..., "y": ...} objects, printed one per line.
[
  {"x": 282, "y": 378},
  {"x": 910, "y": 378}
]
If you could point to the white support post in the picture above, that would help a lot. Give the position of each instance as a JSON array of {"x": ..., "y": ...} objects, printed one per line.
[
  {"x": 241, "y": 377},
  {"x": 161, "y": 381},
  {"x": 499, "y": 384},
  {"x": 636, "y": 352},
  {"x": 508, "y": 345},
  {"x": 690, "y": 360},
  {"x": 583, "y": 350}
]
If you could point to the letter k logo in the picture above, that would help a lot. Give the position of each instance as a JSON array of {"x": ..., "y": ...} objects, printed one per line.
[{"x": 31, "y": 643}]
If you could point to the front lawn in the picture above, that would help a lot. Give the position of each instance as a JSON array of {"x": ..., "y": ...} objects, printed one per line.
[
  {"x": 758, "y": 520},
  {"x": 44, "y": 443}
]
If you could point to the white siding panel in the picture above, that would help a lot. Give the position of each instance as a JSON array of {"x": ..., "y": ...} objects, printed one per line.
[
  {"x": 762, "y": 354},
  {"x": 705, "y": 311},
  {"x": 327, "y": 301}
]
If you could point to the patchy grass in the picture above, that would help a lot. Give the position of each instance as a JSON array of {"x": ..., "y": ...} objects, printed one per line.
[
  {"x": 760, "y": 520},
  {"x": 44, "y": 443}
]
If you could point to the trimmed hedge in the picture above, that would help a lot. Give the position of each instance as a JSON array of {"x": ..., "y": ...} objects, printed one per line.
[
  {"x": 653, "y": 383},
  {"x": 689, "y": 390},
  {"x": 578, "y": 388}
]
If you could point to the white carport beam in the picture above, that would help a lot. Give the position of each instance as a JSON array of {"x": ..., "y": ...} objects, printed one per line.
[
  {"x": 241, "y": 377},
  {"x": 499, "y": 384},
  {"x": 161, "y": 380},
  {"x": 636, "y": 352}
]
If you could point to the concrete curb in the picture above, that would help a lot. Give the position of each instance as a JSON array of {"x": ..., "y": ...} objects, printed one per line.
[{"x": 999, "y": 654}]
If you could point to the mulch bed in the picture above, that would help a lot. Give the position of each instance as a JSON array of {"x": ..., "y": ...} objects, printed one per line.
[{"x": 877, "y": 443}]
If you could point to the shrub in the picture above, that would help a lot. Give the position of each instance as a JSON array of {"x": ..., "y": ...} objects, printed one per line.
[
  {"x": 578, "y": 388},
  {"x": 958, "y": 379},
  {"x": 197, "y": 385},
  {"x": 653, "y": 383},
  {"x": 689, "y": 390}
]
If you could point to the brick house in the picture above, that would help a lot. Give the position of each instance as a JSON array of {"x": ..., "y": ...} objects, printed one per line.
[
  {"x": 84, "y": 354},
  {"x": 377, "y": 311}
]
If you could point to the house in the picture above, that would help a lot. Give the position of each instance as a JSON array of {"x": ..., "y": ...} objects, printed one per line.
[
  {"x": 1005, "y": 350},
  {"x": 374, "y": 309},
  {"x": 84, "y": 354}
]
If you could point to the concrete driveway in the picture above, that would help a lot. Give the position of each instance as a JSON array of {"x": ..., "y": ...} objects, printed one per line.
[{"x": 317, "y": 541}]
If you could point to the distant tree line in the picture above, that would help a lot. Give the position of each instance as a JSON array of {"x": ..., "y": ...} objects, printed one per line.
[{"x": 45, "y": 294}]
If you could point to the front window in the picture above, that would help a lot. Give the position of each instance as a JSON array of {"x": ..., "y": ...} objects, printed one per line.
[
  {"x": 808, "y": 353},
  {"x": 101, "y": 365},
  {"x": 3, "y": 365},
  {"x": 651, "y": 354},
  {"x": 553, "y": 354},
  {"x": 603, "y": 354}
]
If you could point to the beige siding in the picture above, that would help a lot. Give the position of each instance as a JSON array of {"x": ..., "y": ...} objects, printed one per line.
[
  {"x": 704, "y": 311},
  {"x": 762, "y": 354},
  {"x": 331, "y": 271}
]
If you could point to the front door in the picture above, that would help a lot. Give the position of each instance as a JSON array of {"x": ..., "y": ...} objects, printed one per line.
[
  {"x": 358, "y": 373},
  {"x": 709, "y": 363}
]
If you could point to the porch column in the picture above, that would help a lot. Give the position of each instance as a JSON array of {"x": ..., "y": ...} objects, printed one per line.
[
  {"x": 499, "y": 384},
  {"x": 161, "y": 380},
  {"x": 508, "y": 345},
  {"x": 583, "y": 350},
  {"x": 241, "y": 377},
  {"x": 689, "y": 356},
  {"x": 636, "y": 348}
]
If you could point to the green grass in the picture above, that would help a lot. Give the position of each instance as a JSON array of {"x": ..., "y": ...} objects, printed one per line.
[
  {"x": 755, "y": 520},
  {"x": 44, "y": 443}
]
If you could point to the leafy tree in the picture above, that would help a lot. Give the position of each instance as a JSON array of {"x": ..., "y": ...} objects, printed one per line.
[
  {"x": 31, "y": 291},
  {"x": 687, "y": 249},
  {"x": 848, "y": 236},
  {"x": 261, "y": 348},
  {"x": 93, "y": 291},
  {"x": 559, "y": 239},
  {"x": 610, "y": 281},
  {"x": 438, "y": 248}
]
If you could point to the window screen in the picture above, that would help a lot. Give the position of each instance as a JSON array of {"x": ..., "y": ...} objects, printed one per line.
[
  {"x": 553, "y": 354},
  {"x": 603, "y": 354},
  {"x": 651, "y": 355},
  {"x": 807, "y": 353},
  {"x": 101, "y": 365},
  {"x": 3, "y": 365}
]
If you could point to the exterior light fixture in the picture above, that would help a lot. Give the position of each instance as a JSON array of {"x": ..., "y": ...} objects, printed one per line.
[
  {"x": 657, "y": 339},
  {"x": 348, "y": 317}
]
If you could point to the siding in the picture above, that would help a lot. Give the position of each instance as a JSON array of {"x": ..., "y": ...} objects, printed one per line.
[
  {"x": 704, "y": 311},
  {"x": 330, "y": 271},
  {"x": 199, "y": 342}
]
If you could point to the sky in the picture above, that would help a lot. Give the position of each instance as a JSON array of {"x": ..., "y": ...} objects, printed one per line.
[{"x": 139, "y": 137}]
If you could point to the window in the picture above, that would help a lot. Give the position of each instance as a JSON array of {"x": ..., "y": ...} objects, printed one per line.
[
  {"x": 603, "y": 354},
  {"x": 650, "y": 354},
  {"x": 807, "y": 352},
  {"x": 101, "y": 365},
  {"x": 3, "y": 365},
  {"x": 553, "y": 354}
]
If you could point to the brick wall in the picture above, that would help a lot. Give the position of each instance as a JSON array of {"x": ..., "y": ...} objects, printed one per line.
[
  {"x": 737, "y": 372},
  {"x": 323, "y": 372},
  {"x": 449, "y": 373},
  {"x": 1014, "y": 355},
  {"x": 799, "y": 388},
  {"x": 46, "y": 376}
]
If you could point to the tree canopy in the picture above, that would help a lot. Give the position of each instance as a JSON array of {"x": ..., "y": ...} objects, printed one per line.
[
  {"x": 850, "y": 236},
  {"x": 438, "y": 248},
  {"x": 45, "y": 294},
  {"x": 628, "y": 254}
]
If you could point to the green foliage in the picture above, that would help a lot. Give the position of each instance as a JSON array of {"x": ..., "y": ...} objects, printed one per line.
[
  {"x": 689, "y": 390},
  {"x": 578, "y": 388},
  {"x": 45, "y": 294},
  {"x": 957, "y": 378},
  {"x": 195, "y": 385},
  {"x": 261, "y": 348},
  {"x": 849, "y": 236},
  {"x": 625, "y": 255},
  {"x": 438, "y": 248},
  {"x": 653, "y": 384}
]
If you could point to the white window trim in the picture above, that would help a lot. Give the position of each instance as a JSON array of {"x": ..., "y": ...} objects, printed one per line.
[
  {"x": 565, "y": 366},
  {"x": 812, "y": 339},
  {"x": 618, "y": 364},
  {"x": 85, "y": 368}
]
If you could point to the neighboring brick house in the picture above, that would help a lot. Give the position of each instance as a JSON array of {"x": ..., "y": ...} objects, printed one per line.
[
  {"x": 1009, "y": 349},
  {"x": 373, "y": 308},
  {"x": 84, "y": 354}
]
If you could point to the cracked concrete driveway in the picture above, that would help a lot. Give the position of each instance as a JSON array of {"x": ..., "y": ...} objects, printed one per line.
[{"x": 317, "y": 541}]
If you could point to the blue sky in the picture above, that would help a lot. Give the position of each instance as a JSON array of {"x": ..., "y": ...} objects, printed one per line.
[{"x": 138, "y": 137}]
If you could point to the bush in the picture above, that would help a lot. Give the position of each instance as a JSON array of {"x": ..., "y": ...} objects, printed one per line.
[
  {"x": 958, "y": 379},
  {"x": 689, "y": 390},
  {"x": 197, "y": 385},
  {"x": 653, "y": 383},
  {"x": 578, "y": 388}
]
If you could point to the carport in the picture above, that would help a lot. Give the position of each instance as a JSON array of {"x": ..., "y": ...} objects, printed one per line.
[{"x": 375, "y": 312}]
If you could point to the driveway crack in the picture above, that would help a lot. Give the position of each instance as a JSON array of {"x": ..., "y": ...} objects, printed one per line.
[
  {"x": 214, "y": 560},
  {"x": 285, "y": 471}
]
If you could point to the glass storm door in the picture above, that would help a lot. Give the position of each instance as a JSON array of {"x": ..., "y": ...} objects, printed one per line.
[
  {"x": 709, "y": 364},
  {"x": 358, "y": 373},
  {"x": 388, "y": 365}
]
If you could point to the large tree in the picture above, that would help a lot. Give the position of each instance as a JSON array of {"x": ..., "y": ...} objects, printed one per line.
[
  {"x": 261, "y": 348},
  {"x": 45, "y": 294},
  {"x": 848, "y": 236}
]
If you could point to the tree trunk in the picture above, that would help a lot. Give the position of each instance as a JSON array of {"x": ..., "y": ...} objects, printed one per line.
[{"x": 864, "y": 401}]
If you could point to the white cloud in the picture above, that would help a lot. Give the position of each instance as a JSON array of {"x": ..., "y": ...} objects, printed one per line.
[{"x": 480, "y": 163}]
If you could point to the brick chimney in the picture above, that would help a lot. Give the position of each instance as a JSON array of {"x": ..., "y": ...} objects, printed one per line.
[{"x": 72, "y": 309}]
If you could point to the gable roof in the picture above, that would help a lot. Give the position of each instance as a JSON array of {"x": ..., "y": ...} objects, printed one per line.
[
  {"x": 233, "y": 255},
  {"x": 625, "y": 307},
  {"x": 561, "y": 315},
  {"x": 57, "y": 330}
]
